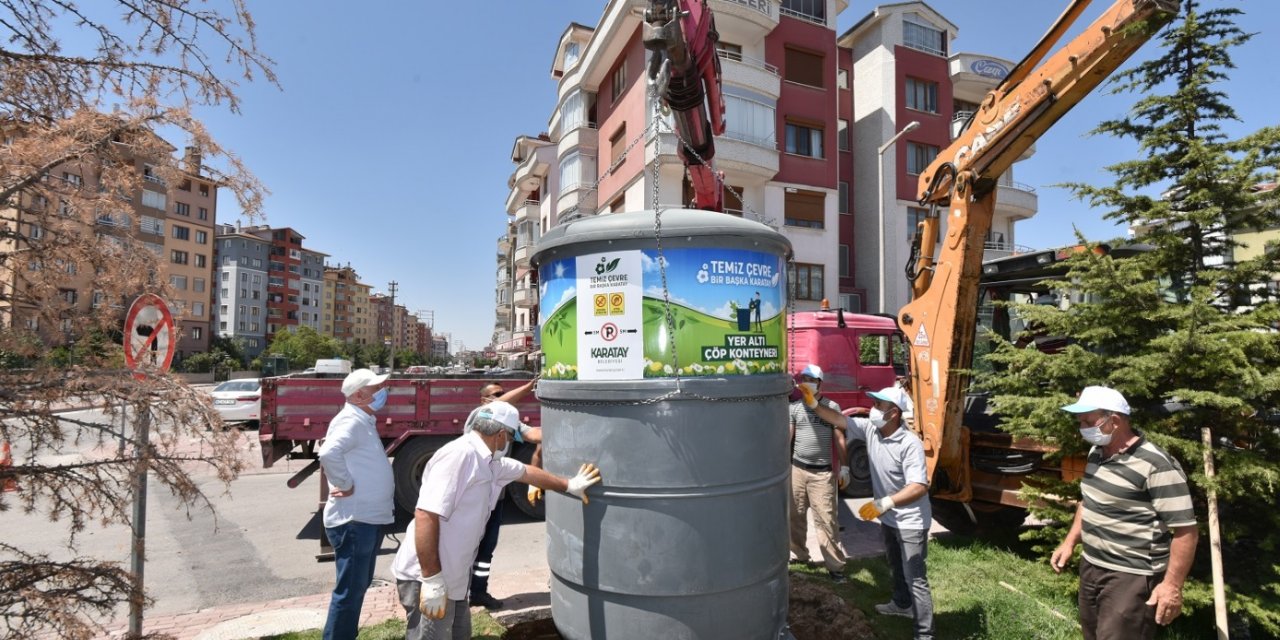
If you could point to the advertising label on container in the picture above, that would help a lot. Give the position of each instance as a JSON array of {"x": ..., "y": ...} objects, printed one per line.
[{"x": 606, "y": 318}]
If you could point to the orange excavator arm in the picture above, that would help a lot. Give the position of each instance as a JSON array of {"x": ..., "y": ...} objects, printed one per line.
[
  {"x": 685, "y": 68},
  {"x": 940, "y": 321}
]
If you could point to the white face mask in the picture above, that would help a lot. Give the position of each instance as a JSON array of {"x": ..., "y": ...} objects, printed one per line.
[
  {"x": 1094, "y": 434},
  {"x": 877, "y": 418},
  {"x": 811, "y": 386}
]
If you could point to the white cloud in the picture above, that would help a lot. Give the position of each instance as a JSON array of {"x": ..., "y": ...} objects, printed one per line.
[{"x": 649, "y": 265}]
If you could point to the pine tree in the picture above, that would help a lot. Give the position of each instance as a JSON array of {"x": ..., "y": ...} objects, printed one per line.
[{"x": 1190, "y": 323}]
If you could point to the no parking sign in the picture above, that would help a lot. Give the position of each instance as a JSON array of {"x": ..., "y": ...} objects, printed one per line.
[{"x": 149, "y": 336}]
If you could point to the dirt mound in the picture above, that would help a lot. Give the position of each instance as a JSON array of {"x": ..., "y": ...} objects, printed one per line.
[{"x": 815, "y": 613}]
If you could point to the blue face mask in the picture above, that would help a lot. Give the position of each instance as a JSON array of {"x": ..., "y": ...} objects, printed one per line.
[{"x": 379, "y": 400}]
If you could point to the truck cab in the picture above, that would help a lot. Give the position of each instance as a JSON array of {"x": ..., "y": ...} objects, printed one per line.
[{"x": 858, "y": 353}]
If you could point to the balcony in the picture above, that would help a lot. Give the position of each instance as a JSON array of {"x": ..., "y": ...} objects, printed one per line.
[
  {"x": 502, "y": 300},
  {"x": 750, "y": 73},
  {"x": 992, "y": 250},
  {"x": 754, "y": 217},
  {"x": 745, "y": 20},
  {"x": 526, "y": 179},
  {"x": 582, "y": 137},
  {"x": 812, "y": 11},
  {"x": 756, "y": 159},
  {"x": 524, "y": 251},
  {"x": 1016, "y": 200},
  {"x": 525, "y": 297},
  {"x": 973, "y": 75},
  {"x": 527, "y": 210}
]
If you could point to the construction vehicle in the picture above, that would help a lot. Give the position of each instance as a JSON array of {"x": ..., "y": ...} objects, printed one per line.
[{"x": 959, "y": 189}]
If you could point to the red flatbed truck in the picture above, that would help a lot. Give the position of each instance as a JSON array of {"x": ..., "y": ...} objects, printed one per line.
[{"x": 421, "y": 415}]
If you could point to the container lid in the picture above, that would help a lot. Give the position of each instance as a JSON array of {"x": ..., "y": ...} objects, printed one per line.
[{"x": 639, "y": 226}]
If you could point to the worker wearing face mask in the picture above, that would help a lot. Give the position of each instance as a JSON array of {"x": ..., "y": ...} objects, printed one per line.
[
  {"x": 900, "y": 485},
  {"x": 361, "y": 489},
  {"x": 1136, "y": 522}
]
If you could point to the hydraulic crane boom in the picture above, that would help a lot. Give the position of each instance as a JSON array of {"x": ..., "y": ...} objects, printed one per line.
[
  {"x": 686, "y": 70},
  {"x": 939, "y": 323}
]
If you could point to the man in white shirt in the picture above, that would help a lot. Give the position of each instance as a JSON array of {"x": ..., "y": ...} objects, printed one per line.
[
  {"x": 460, "y": 486},
  {"x": 361, "y": 489}
]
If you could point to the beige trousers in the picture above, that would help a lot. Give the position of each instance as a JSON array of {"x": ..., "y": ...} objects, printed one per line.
[{"x": 816, "y": 490}]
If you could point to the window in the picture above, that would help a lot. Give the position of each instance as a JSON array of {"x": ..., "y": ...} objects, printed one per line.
[
  {"x": 225, "y": 292},
  {"x": 618, "y": 81},
  {"x": 617, "y": 144},
  {"x": 729, "y": 51},
  {"x": 811, "y": 10},
  {"x": 197, "y": 332},
  {"x": 149, "y": 174},
  {"x": 842, "y": 134},
  {"x": 842, "y": 78},
  {"x": 154, "y": 199},
  {"x": 571, "y": 53},
  {"x": 181, "y": 233},
  {"x": 202, "y": 237},
  {"x": 573, "y": 113},
  {"x": 919, "y": 156},
  {"x": 226, "y": 275},
  {"x": 805, "y": 281},
  {"x": 257, "y": 279},
  {"x": 182, "y": 209},
  {"x": 201, "y": 260},
  {"x": 750, "y": 121},
  {"x": 873, "y": 350},
  {"x": 923, "y": 38},
  {"x": 98, "y": 297},
  {"x": 257, "y": 263},
  {"x": 154, "y": 226},
  {"x": 72, "y": 179},
  {"x": 244, "y": 277},
  {"x": 806, "y": 140},
  {"x": 843, "y": 203},
  {"x": 804, "y": 208},
  {"x": 185, "y": 186},
  {"x": 804, "y": 68},
  {"x": 573, "y": 172},
  {"x": 197, "y": 310},
  {"x": 618, "y": 204},
  {"x": 843, "y": 261},
  {"x": 922, "y": 95},
  {"x": 204, "y": 190},
  {"x": 36, "y": 233},
  {"x": 68, "y": 296},
  {"x": 178, "y": 257},
  {"x": 255, "y": 311},
  {"x": 178, "y": 282},
  {"x": 203, "y": 213}
]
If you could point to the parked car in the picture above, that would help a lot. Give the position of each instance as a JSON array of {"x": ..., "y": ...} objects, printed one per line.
[{"x": 239, "y": 400}]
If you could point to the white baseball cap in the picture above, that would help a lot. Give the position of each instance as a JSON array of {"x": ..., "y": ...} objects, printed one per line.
[
  {"x": 361, "y": 378},
  {"x": 503, "y": 412},
  {"x": 1097, "y": 398},
  {"x": 892, "y": 394},
  {"x": 813, "y": 371}
]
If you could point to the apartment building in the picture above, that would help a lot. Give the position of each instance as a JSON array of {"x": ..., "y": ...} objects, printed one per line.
[
  {"x": 904, "y": 71},
  {"x": 241, "y": 294},
  {"x": 807, "y": 112},
  {"x": 294, "y": 279},
  {"x": 347, "y": 314},
  {"x": 173, "y": 218}
]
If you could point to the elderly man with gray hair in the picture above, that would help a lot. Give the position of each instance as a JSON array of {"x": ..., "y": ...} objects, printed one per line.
[{"x": 460, "y": 486}]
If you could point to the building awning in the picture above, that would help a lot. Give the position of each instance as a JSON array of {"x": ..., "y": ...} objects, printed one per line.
[{"x": 534, "y": 354}]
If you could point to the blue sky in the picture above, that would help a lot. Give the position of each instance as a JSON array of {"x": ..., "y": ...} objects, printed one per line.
[{"x": 389, "y": 145}]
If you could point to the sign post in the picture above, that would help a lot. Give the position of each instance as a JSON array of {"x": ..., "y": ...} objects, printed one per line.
[{"x": 149, "y": 342}]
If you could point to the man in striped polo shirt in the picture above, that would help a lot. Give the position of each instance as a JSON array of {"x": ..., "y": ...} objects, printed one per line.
[
  {"x": 813, "y": 486},
  {"x": 1135, "y": 520}
]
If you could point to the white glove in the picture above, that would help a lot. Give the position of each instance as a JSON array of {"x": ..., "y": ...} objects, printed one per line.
[
  {"x": 534, "y": 494},
  {"x": 806, "y": 394},
  {"x": 431, "y": 596},
  {"x": 845, "y": 477},
  {"x": 588, "y": 475},
  {"x": 874, "y": 509}
]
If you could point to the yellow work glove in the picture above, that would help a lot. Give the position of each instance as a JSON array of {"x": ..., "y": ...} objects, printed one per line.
[
  {"x": 875, "y": 508},
  {"x": 588, "y": 475},
  {"x": 807, "y": 395},
  {"x": 844, "y": 478},
  {"x": 431, "y": 596},
  {"x": 535, "y": 494}
]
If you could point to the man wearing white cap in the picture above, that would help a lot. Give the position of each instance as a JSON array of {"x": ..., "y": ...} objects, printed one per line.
[
  {"x": 361, "y": 487},
  {"x": 813, "y": 485},
  {"x": 900, "y": 486},
  {"x": 460, "y": 486},
  {"x": 1136, "y": 522}
]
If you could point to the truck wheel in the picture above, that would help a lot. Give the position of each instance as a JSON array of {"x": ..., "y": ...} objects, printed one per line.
[
  {"x": 519, "y": 491},
  {"x": 994, "y": 521},
  {"x": 406, "y": 468},
  {"x": 859, "y": 470}
]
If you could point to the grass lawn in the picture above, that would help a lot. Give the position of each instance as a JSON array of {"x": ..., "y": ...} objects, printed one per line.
[{"x": 969, "y": 600}]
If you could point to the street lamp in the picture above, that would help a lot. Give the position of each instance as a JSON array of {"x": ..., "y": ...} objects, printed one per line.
[{"x": 911, "y": 126}]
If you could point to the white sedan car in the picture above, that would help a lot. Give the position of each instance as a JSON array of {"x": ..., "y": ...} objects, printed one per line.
[{"x": 238, "y": 400}]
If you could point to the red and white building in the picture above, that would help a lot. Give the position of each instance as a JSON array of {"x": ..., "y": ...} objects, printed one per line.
[{"x": 807, "y": 110}]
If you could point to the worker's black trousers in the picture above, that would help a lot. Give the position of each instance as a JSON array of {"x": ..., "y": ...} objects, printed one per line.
[{"x": 484, "y": 555}]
